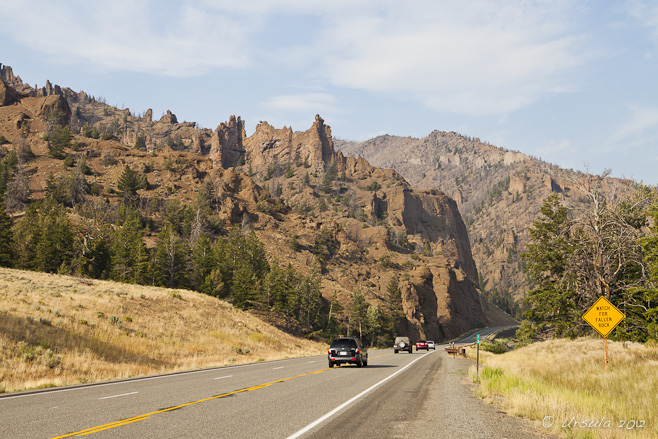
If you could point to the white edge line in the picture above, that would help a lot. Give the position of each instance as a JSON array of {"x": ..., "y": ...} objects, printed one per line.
[
  {"x": 227, "y": 376},
  {"x": 116, "y": 396},
  {"x": 132, "y": 380},
  {"x": 311, "y": 362},
  {"x": 346, "y": 403},
  {"x": 275, "y": 368}
]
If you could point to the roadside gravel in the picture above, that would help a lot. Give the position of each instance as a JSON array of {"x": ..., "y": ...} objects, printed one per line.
[{"x": 451, "y": 411}]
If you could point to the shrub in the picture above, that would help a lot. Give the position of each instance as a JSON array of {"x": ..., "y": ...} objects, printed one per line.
[
  {"x": 51, "y": 360},
  {"x": 494, "y": 347},
  {"x": 114, "y": 320}
]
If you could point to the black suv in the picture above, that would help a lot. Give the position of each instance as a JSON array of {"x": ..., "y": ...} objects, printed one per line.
[{"x": 347, "y": 350}]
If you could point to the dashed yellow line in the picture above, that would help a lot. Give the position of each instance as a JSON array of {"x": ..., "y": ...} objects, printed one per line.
[{"x": 146, "y": 416}]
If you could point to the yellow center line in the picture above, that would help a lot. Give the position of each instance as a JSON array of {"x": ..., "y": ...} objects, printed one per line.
[
  {"x": 96, "y": 430},
  {"x": 143, "y": 417}
]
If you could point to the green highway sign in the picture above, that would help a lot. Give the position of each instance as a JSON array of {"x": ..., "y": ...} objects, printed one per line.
[{"x": 477, "y": 338}]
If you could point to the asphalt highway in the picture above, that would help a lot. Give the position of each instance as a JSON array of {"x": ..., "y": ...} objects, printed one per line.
[{"x": 280, "y": 399}]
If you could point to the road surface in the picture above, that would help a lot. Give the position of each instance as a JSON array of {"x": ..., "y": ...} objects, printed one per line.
[{"x": 280, "y": 399}]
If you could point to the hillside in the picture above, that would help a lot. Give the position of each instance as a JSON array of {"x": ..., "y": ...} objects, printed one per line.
[
  {"x": 499, "y": 194},
  {"x": 339, "y": 221},
  {"x": 57, "y": 330}
]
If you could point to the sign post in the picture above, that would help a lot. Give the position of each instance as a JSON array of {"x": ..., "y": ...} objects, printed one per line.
[
  {"x": 477, "y": 361},
  {"x": 604, "y": 317}
]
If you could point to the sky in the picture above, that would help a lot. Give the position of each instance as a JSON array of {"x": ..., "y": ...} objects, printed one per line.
[{"x": 573, "y": 82}]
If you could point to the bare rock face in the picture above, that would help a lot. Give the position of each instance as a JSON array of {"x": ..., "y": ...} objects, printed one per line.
[
  {"x": 7, "y": 75},
  {"x": 169, "y": 118},
  {"x": 148, "y": 116},
  {"x": 269, "y": 145},
  {"x": 8, "y": 95},
  {"x": 440, "y": 303},
  {"x": 55, "y": 104},
  {"x": 49, "y": 89},
  {"x": 436, "y": 217},
  {"x": 226, "y": 144}
]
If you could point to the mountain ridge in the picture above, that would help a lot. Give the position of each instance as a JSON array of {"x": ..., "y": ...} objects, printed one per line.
[
  {"x": 499, "y": 193},
  {"x": 357, "y": 225}
]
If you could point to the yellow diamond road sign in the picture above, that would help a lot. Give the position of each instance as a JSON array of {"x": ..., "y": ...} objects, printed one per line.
[{"x": 603, "y": 316}]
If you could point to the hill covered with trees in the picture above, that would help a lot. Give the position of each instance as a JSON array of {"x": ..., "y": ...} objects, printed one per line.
[{"x": 277, "y": 223}]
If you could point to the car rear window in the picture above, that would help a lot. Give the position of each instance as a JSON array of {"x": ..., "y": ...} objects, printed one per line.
[{"x": 343, "y": 343}]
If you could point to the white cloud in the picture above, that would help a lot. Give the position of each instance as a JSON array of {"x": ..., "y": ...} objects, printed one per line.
[
  {"x": 303, "y": 102},
  {"x": 123, "y": 35},
  {"x": 640, "y": 129},
  {"x": 468, "y": 57},
  {"x": 475, "y": 57}
]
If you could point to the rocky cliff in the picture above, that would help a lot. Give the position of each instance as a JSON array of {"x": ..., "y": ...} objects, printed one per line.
[
  {"x": 356, "y": 224},
  {"x": 498, "y": 192}
]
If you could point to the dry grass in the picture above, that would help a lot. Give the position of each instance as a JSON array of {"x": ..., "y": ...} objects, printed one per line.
[
  {"x": 566, "y": 380},
  {"x": 58, "y": 330}
]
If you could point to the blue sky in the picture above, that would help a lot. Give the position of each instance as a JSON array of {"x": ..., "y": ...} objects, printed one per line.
[{"x": 574, "y": 82}]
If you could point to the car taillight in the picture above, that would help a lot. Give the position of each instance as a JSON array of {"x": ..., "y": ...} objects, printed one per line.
[
  {"x": 329, "y": 351},
  {"x": 357, "y": 350}
]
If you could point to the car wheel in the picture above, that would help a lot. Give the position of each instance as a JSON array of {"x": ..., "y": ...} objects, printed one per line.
[
  {"x": 359, "y": 363},
  {"x": 395, "y": 351},
  {"x": 331, "y": 364}
]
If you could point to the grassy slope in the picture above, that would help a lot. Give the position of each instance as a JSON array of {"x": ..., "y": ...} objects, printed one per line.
[
  {"x": 566, "y": 379},
  {"x": 58, "y": 330}
]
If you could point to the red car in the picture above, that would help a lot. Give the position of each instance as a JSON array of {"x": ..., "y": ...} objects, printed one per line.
[{"x": 421, "y": 344}]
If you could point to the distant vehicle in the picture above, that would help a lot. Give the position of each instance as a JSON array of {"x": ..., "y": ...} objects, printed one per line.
[
  {"x": 402, "y": 344},
  {"x": 347, "y": 350},
  {"x": 430, "y": 345},
  {"x": 421, "y": 344}
]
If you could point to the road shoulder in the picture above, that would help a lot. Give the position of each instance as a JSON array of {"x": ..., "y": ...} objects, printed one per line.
[{"x": 451, "y": 411}]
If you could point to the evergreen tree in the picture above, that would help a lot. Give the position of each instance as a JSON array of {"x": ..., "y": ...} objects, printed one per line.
[
  {"x": 202, "y": 263},
  {"x": 54, "y": 190},
  {"x": 130, "y": 181},
  {"x": 547, "y": 258},
  {"x": 359, "y": 311},
  {"x": 328, "y": 179},
  {"x": 392, "y": 312},
  {"x": 125, "y": 248},
  {"x": 171, "y": 258},
  {"x": 52, "y": 239},
  {"x": 374, "y": 324},
  {"x": 6, "y": 237}
]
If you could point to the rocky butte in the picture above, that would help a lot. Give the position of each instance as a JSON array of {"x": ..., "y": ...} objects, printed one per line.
[{"x": 357, "y": 225}]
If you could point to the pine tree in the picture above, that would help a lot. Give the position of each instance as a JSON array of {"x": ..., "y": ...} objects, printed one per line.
[
  {"x": 202, "y": 263},
  {"x": 171, "y": 258},
  {"x": 392, "y": 312},
  {"x": 128, "y": 182},
  {"x": 54, "y": 247},
  {"x": 124, "y": 251},
  {"x": 359, "y": 311},
  {"x": 6, "y": 237},
  {"x": 547, "y": 259}
]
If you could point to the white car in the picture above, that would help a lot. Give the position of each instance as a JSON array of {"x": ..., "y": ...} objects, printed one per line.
[{"x": 430, "y": 345}]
